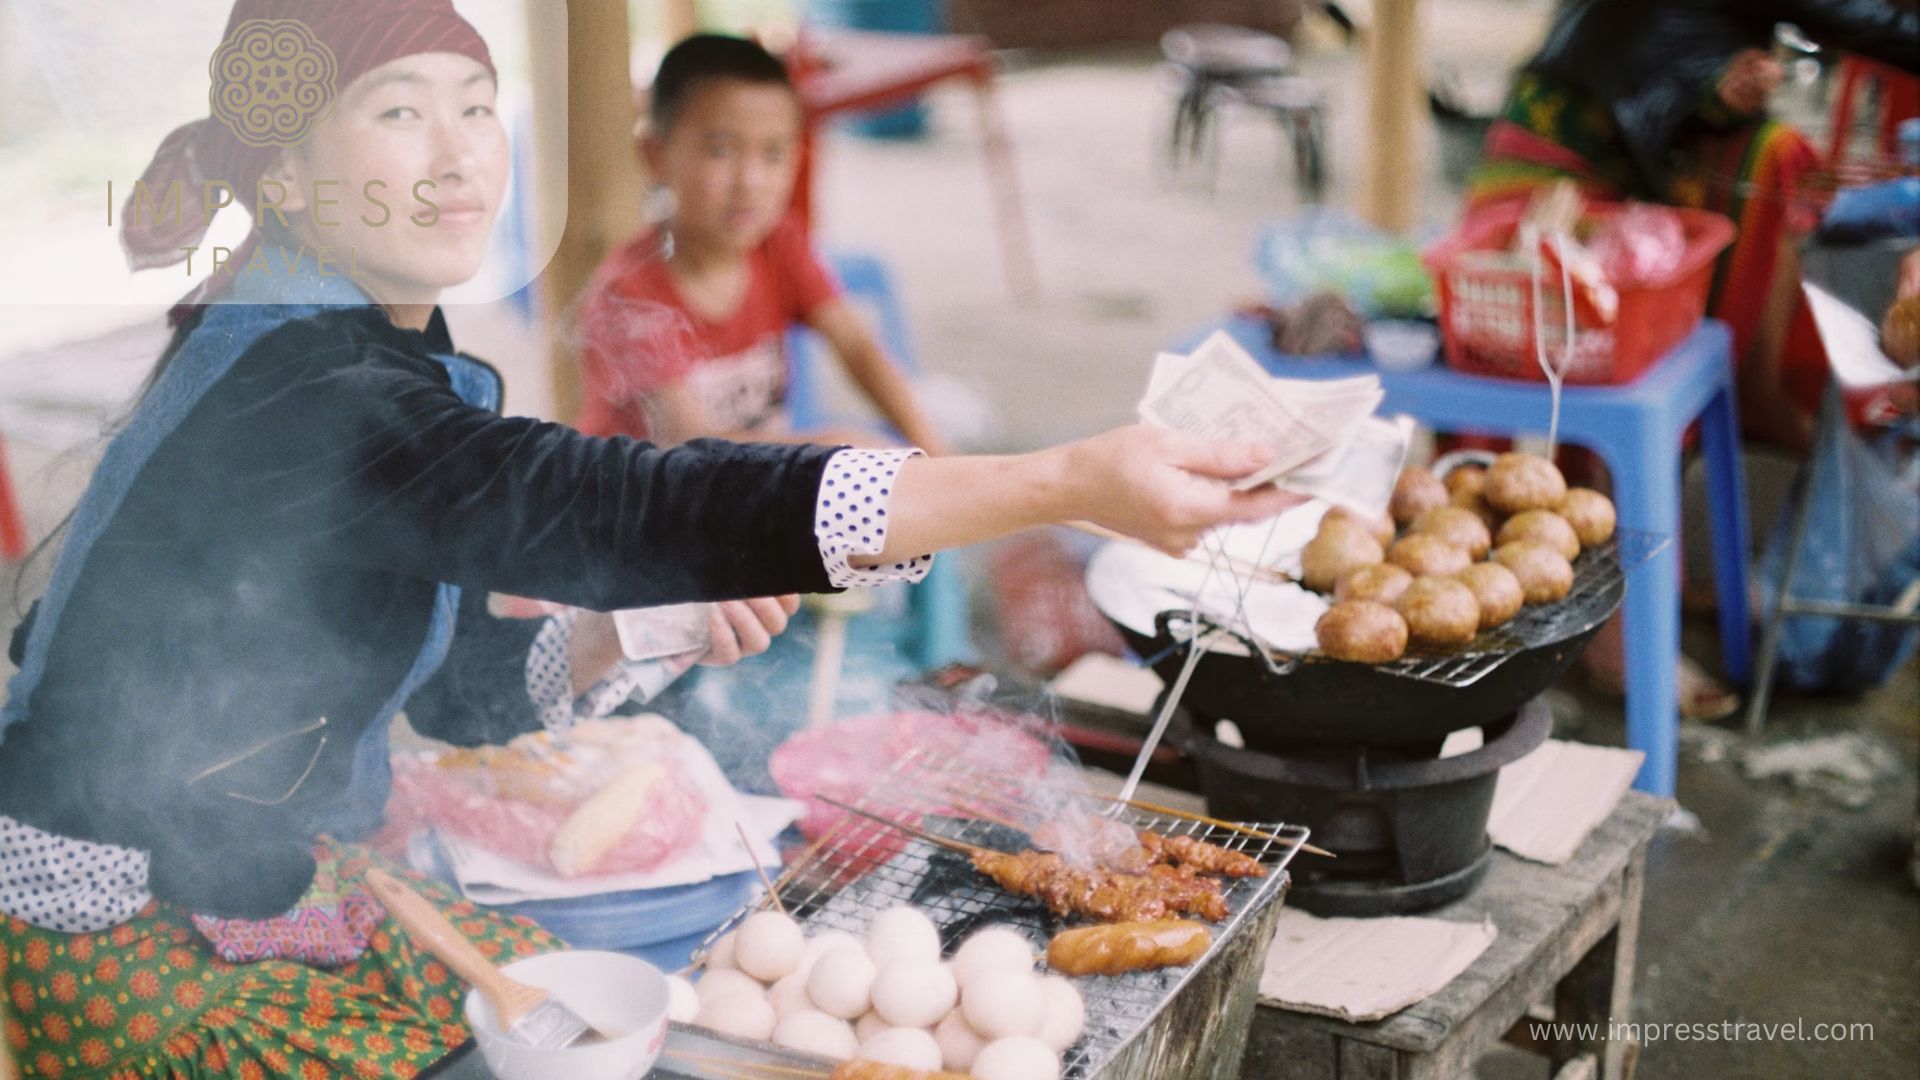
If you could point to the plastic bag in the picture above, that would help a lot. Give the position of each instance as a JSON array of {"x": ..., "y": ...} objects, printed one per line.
[
  {"x": 1862, "y": 546},
  {"x": 515, "y": 800},
  {"x": 1641, "y": 243},
  {"x": 1330, "y": 250}
]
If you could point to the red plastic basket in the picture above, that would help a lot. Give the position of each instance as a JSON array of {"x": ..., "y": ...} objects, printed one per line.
[{"x": 1486, "y": 303}]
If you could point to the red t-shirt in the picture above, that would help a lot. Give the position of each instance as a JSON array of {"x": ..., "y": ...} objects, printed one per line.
[{"x": 638, "y": 335}]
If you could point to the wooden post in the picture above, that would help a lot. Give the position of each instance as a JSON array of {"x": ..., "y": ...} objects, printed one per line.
[
  {"x": 1395, "y": 102},
  {"x": 596, "y": 204},
  {"x": 681, "y": 17}
]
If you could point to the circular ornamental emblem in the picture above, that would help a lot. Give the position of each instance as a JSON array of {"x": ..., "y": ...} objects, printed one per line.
[{"x": 272, "y": 82}]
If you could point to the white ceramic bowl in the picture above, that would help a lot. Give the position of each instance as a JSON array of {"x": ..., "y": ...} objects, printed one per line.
[{"x": 619, "y": 994}]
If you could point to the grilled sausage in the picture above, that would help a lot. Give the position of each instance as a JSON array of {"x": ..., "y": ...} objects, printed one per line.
[{"x": 1131, "y": 946}]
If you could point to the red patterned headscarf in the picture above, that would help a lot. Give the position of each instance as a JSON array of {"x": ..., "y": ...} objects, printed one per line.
[{"x": 279, "y": 67}]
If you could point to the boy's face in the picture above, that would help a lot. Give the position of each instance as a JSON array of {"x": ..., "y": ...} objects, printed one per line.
[{"x": 730, "y": 160}]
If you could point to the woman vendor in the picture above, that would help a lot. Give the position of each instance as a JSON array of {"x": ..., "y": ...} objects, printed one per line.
[
  {"x": 294, "y": 537},
  {"x": 1666, "y": 101}
]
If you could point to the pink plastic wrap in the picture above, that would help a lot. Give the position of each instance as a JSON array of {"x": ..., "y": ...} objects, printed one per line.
[
  {"x": 512, "y": 804},
  {"x": 1641, "y": 243}
]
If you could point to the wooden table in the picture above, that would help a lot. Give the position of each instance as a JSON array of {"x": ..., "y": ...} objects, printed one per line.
[{"x": 1567, "y": 935}]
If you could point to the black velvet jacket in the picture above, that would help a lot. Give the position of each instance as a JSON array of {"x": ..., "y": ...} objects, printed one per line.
[
  {"x": 1649, "y": 59},
  {"x": 277, "y": 560}
]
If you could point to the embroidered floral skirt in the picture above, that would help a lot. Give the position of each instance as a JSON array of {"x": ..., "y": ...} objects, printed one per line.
[{"x": 149, "y": 998}]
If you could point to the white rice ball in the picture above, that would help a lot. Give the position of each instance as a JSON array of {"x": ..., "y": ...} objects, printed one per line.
[
  {"x": 683, "y": 1001},
  {"x": 990, "y": 949},
  {"x": 823, "y": 943},
  {"x": 811, "y": 1031},
  {"x": 789, "y": 996},
  {"x": 727, "y": 981},
  {"x": 841, "y": 983},
  {"x": 914, "y": 993},
  {"x": 909, "y": 1048},
  {"x": 742, "y": 1014},
  {"x": 959, "y": 1043},
  {"x": 903, "y": 933},
  {"x": 720, "y": 954},
  {"x": 1016, "y": 1059},
  {"x": 1004, "y": 1003},
  {"x": 768, "y": 945},
  {"x": 1066, "y": 1013}
]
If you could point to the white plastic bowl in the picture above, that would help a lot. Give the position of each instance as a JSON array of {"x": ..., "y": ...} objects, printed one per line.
[
  {"x": 619, "y": 994},
  {"x": 1401, "y": 344}
]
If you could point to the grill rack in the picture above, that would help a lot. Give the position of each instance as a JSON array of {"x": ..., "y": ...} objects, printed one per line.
[
  {"x": 1599, "y": 578},
  {"x": 859, "y": 868}
]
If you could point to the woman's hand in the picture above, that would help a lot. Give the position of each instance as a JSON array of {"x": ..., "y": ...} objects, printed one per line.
[
  {"x": 1749, "y": 80},
  {"x": 743, "y": 628},
  {"x": 1167, "y": 487},
  {"x": 1158, "y": 486}
]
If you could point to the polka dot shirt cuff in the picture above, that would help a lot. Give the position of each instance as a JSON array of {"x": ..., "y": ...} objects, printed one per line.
[
  {"x": 850, "y": 518},
  {"x": 550, "y": 679}
]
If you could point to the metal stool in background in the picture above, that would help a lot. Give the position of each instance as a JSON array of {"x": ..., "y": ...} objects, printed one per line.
[
  {"x": 1215, "y": 65},
  {"x": 1862, "y": 276}
]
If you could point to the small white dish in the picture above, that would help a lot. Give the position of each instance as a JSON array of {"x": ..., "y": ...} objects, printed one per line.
[
  {"x": 1401, "y": 344},
  {"x": 622, "y": 995}
]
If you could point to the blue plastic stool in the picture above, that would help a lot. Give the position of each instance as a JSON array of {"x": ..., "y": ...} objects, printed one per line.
[
  {"x": 1637, "y": 429},
  {"x": 938, "y": 605}
]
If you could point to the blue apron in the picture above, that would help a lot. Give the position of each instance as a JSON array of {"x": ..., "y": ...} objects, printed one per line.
[{"x": 259, "y": 304}]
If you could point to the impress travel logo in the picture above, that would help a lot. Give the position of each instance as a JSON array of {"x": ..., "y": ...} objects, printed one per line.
[{"x": 272, "y": 82}]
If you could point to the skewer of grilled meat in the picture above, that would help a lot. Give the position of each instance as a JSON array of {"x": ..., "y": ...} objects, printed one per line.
[
  {"x": 1117, "y": 847},
  {"x": 1161, "y": 892}
]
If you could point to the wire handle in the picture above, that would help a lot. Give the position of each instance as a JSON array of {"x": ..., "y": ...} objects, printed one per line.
[{"x": 1555, "y": 374}]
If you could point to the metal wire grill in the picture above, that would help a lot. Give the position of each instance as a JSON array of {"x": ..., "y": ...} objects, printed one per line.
[
  {"x": 1599, "y": 580},
  {"x": 860, "y": 868}
]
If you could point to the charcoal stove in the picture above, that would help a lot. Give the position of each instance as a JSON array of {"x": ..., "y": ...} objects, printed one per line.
[
  {"x": 1409, "y": 827},
  {"x": 1352, "y": 751}
]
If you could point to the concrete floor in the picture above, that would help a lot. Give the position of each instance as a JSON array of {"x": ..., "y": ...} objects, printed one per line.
[{"x": 1780, "y": 904}]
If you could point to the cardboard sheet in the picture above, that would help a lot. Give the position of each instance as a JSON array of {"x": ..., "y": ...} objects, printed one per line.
[
  {"x": 1364, "y": 969},
  {"x": 1546, "y": 803}
]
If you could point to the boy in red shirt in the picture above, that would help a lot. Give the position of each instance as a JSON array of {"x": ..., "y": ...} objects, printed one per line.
[{"x": 682, "y": 329}]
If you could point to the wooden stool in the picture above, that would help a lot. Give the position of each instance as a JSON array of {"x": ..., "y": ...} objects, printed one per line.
[{"x": 1567, "y": 934}]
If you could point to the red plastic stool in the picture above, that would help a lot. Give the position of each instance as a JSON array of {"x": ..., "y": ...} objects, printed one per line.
[{"x": 1899, "y": 100}]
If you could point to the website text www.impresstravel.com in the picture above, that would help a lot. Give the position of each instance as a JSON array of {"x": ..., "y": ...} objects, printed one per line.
[{"x": 1649, "y": 1032}]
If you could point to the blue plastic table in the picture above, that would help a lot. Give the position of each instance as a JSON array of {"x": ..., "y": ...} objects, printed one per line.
[{"x": 1637, "y": 429}]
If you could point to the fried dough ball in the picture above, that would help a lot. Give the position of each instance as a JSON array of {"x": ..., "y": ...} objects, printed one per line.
[
  {"x": 1382, "y": 582},
  {"x": 1458, "y": 526},
  {"x": 1362, "y": 631},
  {"x": 1440, "y": 611},
  {"x": 1544, "y": 575},
  {"x": 1900, "y": 332},
  {"x": 1471, "y": 494},
  {"x": 1497, "y": 591},
  {"x": 1380, "y": 528},
  {"x": 1424, "y": 554},
  {"x": 1542, "y": 527},
  {"x": 1468, "y": 478},
  {"x": 1591, "y": 515},
  {"x": 1340, "y": 547},
  {"x": 1417, "y": 489},
  {"x": 1520, "y": 482}
]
